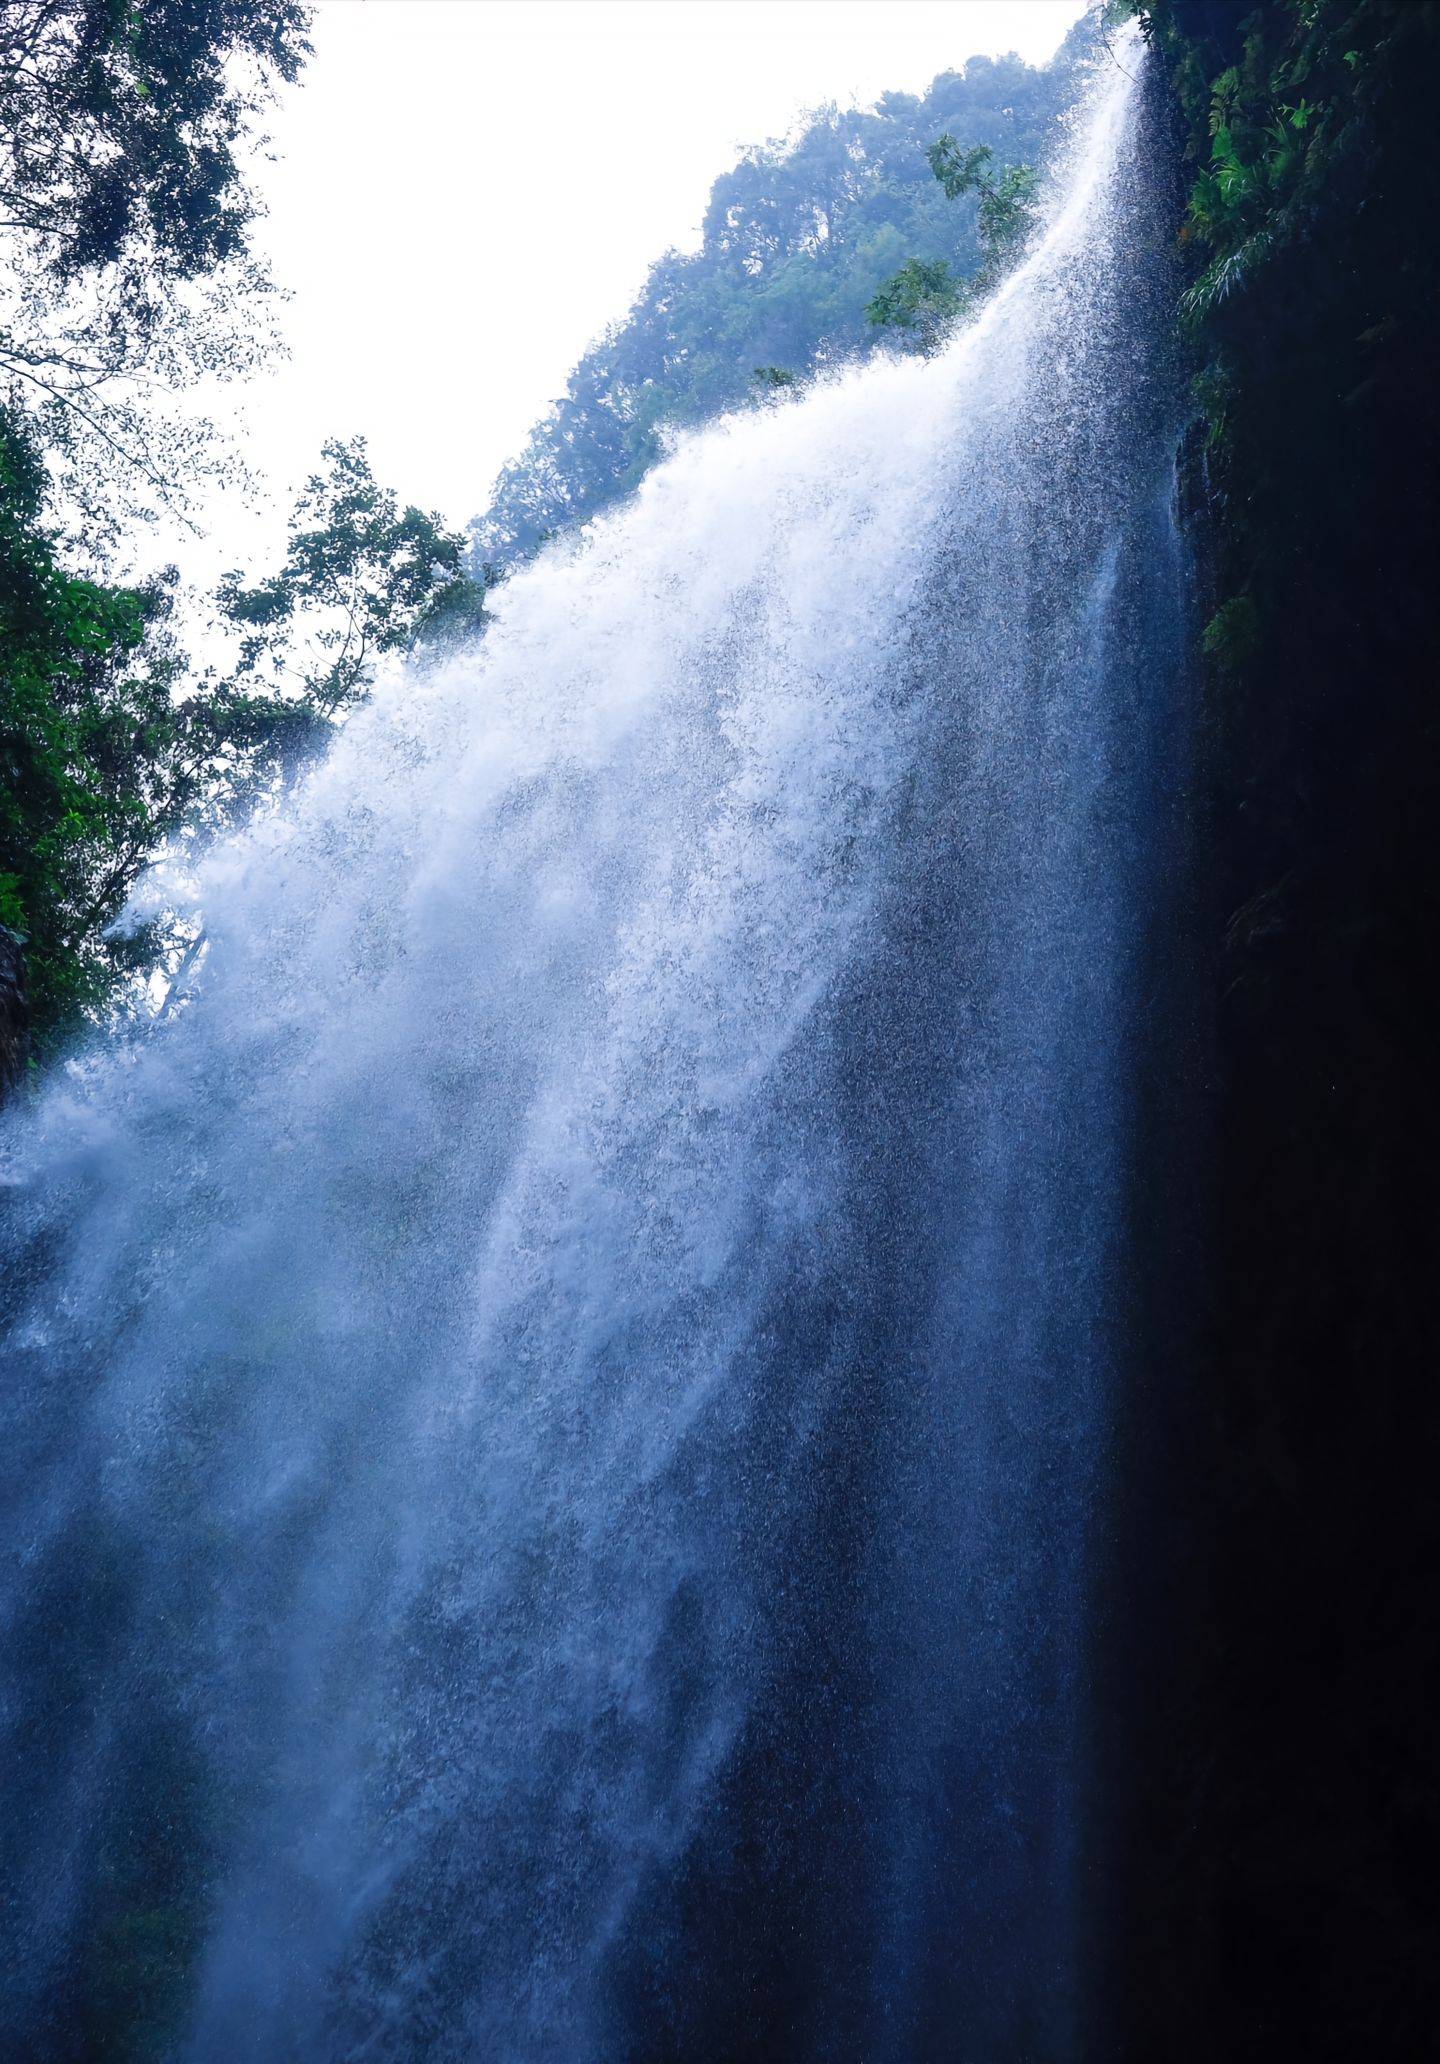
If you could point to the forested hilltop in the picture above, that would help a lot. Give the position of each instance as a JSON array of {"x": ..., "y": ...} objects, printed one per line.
[{"x": 800, "y": 240}]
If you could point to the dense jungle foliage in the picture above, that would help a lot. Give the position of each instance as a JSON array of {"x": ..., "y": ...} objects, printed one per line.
[
  {"x": 1284, "y": 1901},
  {"x": 127, "y": 277}
]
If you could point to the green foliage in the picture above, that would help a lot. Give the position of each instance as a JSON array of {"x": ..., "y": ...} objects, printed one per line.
[
  {"x": 454, "y": 614},
  {"x": 121, "y": 123},
  {"x": 85, "y": 724},
  {"x": 1006, "y": 213},
  {"x": 1232, "y": 633},
  {"x": 925, "y": 299},
  {"x": 125, "y": 273},
  {"x": 1224, "y": 277},
  {"x": 922, "y": 298},
  {"x": 110, "y": 747},
  {"x": 1268, "y": 127},
  {"x": 361, "y": 578},
  {"x": 1285, "y": 136},
  {"x": 960, "y": 171}
]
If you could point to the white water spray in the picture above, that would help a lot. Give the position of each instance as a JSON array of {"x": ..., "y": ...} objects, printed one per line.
[{"x": 583, "y": 1351}]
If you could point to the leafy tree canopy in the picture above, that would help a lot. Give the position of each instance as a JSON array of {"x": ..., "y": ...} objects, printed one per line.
[
  {"x": 362, "y": 577},
  {"x": 125, "y": 214},
  {"x": 1005, "y": 212},
  {"x": 112, "y": 748},
  {"x": 924, "y": 298}
]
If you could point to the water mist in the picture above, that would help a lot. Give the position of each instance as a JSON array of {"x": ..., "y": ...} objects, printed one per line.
[{"x": 556, "y": 1414}]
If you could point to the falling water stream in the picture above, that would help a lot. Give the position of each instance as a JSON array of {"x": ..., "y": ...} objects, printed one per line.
[{"x": 556, "y": 1415}]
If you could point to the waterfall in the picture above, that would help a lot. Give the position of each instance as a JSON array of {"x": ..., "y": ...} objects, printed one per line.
[{"x": 556, "y": 1415}]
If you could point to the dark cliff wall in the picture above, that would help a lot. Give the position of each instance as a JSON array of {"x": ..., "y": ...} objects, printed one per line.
[
  {"x": 14, "y": 1012},
  {"x": 1282, "y": 1895}
]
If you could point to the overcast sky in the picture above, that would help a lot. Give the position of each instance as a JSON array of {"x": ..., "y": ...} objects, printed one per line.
[{"x": 467, "y": 191}]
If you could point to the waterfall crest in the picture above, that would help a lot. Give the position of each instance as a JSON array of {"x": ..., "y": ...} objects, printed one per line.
[{"x": 555, "y": 1413}]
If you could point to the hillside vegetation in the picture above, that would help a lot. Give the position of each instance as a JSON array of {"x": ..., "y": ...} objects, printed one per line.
[{"x": 799, "y": 240}]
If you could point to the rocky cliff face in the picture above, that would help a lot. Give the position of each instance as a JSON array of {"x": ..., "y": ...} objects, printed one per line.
[
  {"x": 1283, "y": 1893},
  {"x": 14, "y": 1011}
]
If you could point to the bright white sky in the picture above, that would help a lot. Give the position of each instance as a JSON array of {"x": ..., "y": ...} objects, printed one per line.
[{"x": 467, "y": 191}]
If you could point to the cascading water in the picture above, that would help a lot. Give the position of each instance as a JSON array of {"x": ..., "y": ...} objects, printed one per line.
[{"x": 555, "y": 1412}]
